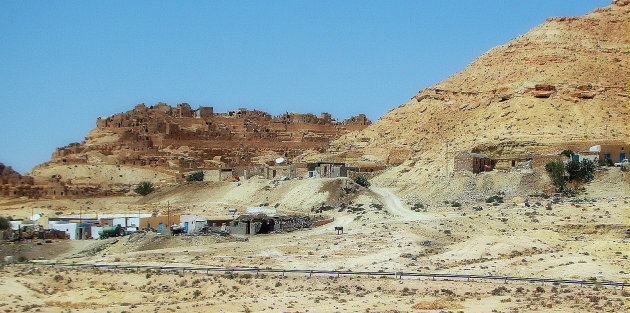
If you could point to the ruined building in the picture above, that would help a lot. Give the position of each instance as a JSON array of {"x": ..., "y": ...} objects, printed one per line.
[
  {"x": 169, "y": 141},
  {"x": 180, "y": 138}
]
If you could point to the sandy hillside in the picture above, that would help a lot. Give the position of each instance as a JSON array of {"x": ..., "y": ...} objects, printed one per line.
[
  {"x": 102, "y": 174},
  {"x": 564, "y": 81}
]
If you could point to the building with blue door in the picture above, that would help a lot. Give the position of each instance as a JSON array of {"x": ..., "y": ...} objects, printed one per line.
[{"x": 614, "y": 152}]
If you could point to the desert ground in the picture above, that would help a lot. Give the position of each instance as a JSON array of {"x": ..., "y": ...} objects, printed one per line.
[
  {"x": 45, "y": 289},
  {"x": 537, "y": 235}
]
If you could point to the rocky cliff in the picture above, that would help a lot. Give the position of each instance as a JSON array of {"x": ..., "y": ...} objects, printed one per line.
[{"x": 564, "y": 84}]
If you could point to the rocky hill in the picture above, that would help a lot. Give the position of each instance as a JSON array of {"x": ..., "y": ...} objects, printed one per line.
[
  {"x": 155, "y": 142},
  {"x": 564, "y": 84},
  {"x": 9, "y": 176}
]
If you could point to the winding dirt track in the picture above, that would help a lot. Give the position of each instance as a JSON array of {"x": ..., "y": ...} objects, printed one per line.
[{"x": 395, "y": 206}]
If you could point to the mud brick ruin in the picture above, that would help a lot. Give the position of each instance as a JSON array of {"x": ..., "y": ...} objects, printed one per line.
[
  {"x": 180, "y": 138},
  {"x": 177, "y": 140}
]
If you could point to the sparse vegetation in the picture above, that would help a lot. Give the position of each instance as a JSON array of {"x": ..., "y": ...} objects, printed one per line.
[
  {"x": 377, "y": 206},
  {"x": 567, "y": 153},
  {"x": 419, "y": 207},
  {"x": 144, "y": 188},
  {"x": 495, "y": 199},
  {"x": 362, "y": 181},
  {"x": 195, "y": 176},
  {"x": 574, "y": 171},
  {"x": 605, "y": 162},
  {"x": 4, "y": 223}
]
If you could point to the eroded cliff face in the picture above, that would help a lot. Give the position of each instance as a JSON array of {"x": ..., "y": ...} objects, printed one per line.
[
  {"x": 563, "y": 84},
  {"x": 179, "y": 139}
]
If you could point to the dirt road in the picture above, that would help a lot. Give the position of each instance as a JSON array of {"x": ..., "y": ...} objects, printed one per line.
[{"x": 395, "y": 206}]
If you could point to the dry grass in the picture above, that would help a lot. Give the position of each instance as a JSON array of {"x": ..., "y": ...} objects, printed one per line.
[
  {"x": 70, "y": 304},
  {"x": 437, "y": 305}
]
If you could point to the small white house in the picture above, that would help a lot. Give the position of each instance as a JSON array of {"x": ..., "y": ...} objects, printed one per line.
[
  {"x": 71, "y": 229},
  {"x": 192, "y": 223},
  {"x": 588, "y": 155},
  {"x": 95, "y": 229},
  {"x": 15, "y": 225},
  {"x": 75, "y": 231}
]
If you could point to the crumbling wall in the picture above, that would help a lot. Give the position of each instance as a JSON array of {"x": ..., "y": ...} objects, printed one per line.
[{"x": 180, "y": 138}]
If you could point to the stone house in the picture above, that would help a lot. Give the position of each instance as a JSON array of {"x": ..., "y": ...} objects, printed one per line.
[
  {"x": 329, "y": 169},
  {"x": 473, "y": 162},
  {"x": 616, "y": 152}
]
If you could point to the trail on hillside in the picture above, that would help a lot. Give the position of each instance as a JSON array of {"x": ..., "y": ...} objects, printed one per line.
[{"x": 395, "y": 206}]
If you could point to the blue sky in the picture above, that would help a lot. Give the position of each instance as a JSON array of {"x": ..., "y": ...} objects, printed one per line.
[{"x": 64, "y": 63}]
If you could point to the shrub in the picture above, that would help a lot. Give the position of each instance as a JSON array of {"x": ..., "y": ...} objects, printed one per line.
[
  {"x": 144, "y": 188},
  {"x": 495, "y": 198},
  {"x": 555, "y": 170},
  {"x": 377, "y": 206},
  {"x": 567, "y": 153},
  {"x": 4, "y": 223},
  {"x": 587, "y": 170},
  {"x": 362, "y": 181},
  {"x": 418, "y": 206},
  {"x": 195, "y": 176},
  {"x": 573, "y": 169},
  {"x": 456, "y": 204},
  {"x": 605, "y": 162}
]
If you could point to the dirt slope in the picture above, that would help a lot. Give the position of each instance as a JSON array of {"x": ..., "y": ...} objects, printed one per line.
[{"x": 562, "y": 83}]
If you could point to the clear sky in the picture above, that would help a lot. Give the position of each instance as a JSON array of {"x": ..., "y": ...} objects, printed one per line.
[{"x": 64, "y": 63}]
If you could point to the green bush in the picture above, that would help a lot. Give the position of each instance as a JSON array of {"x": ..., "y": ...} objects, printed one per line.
[
  {"x": 555, "y": 170},
  {"x": 587, "y": 170},
  {"x": 568, "y": 153},
  {"x": 418, "y": 207},
  {"x": 144, "y": 188},
  {"x": 495, "y": 198},
  {"x": 574, "y": 171},
  {"x": 4, "y": 223},
  {"x": 580, "y": 171},
  {"x": 196, "y": 176},
  {"x": 605, "y": 162},
  {"x": 360, "y": 180}
]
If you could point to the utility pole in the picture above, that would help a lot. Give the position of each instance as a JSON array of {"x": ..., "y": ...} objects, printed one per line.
[
  {"x": 32, "y": 220},
  {"x": 168, "y": 215}
]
